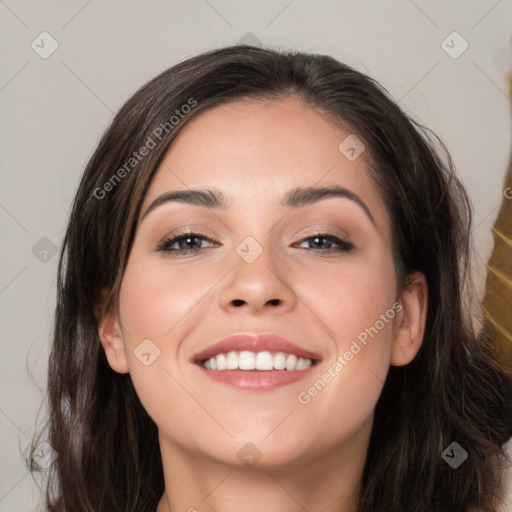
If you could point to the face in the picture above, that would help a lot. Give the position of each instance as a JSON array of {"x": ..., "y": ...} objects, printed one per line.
[{"x": 317, "y": 272}]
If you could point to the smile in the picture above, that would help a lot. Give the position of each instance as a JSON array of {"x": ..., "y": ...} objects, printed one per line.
[{"x": 256, "y": 362}]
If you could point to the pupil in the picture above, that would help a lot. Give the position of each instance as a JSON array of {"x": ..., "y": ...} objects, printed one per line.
[
  {"x": 188, "y": 239},
  {"x": 316, "y": 239}
]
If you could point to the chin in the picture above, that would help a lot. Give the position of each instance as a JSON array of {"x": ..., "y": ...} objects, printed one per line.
[{"x": 261, "y": 455}]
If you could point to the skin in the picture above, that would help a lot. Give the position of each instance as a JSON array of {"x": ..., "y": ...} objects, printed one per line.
[{"x": 312, "y": 455}]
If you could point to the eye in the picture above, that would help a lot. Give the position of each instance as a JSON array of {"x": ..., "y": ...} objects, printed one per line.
[
  {"x": 186, "y": 242},
  {"x": 343, "y": 245},
  {"x": 191, "y": 242}
]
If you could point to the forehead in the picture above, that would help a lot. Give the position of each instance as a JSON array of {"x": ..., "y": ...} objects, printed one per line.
[{"x": 255, "y": 151}]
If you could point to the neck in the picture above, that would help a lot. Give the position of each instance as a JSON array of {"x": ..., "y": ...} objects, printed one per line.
[{"x": 328, "y": 481}]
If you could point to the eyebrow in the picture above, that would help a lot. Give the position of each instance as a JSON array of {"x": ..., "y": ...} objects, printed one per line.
[{"x": 295, "y": 198}]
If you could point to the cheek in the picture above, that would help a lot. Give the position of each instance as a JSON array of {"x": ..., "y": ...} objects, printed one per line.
[
  {"x": 357, "y": 308},
  {"x": 157, "y": 306},
  {"x": 357, "y": 313},
  {"x": 351, "y": 298},
  {"x": 157, "y": 299},
  {"x": 163, "y": 302}
]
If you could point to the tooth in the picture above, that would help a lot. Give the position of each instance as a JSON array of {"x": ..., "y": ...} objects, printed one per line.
[
  {"x": 246, "y": 360},
  {"x": 302, "y": 364},
  {"x": 231, "y": 361},
  {"x": 280, "y": 361},
  {"x": 264, "y": 361},
  {"x": 221, "y": 362},
  {"x": 291, "y": 361}
]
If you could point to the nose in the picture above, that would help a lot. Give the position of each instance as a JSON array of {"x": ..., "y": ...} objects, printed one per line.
[{"x": 260, "y": 287}]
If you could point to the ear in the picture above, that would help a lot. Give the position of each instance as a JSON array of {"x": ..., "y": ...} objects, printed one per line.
[
  {"x": 110, "y": 333},
  {"x": 410, "y": 321}
]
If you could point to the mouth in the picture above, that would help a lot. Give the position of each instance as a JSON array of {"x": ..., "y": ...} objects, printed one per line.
[{"x": 261, "y": 362}]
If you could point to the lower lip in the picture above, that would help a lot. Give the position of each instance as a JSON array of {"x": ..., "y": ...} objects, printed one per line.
[{"x": 257, "y": 380}]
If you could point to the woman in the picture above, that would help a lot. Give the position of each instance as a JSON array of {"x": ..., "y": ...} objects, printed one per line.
[{"x": 312, "y": 349}]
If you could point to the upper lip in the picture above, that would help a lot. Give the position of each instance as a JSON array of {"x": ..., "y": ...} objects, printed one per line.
[{"x": 254, "y": 343}]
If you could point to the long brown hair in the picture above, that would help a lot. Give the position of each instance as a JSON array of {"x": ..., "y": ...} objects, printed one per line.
[{"x": 453, "y": 391}]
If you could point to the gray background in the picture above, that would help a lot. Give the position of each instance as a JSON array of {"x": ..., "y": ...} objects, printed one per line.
[{"x": 55, "y": 109}]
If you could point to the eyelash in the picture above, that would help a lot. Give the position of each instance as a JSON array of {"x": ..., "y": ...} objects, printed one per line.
[{"x": 164, "y": 246}]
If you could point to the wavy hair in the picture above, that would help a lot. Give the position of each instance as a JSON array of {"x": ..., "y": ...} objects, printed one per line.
[{"x": 455, "y": 389}]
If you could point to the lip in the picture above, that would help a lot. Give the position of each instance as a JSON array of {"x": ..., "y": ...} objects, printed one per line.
[
  {"x": 254, "y": 343},
  {"x": 256, "y": 380}
]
